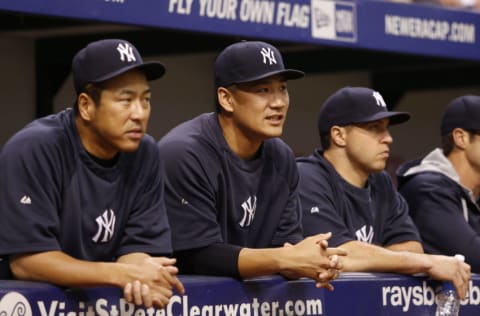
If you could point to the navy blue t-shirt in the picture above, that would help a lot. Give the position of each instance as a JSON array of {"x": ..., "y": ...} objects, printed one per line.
[
  {"x": 376, "y": 214},
  {"x": 214, "y": 196},
  {"x": 54, "y": 196}
]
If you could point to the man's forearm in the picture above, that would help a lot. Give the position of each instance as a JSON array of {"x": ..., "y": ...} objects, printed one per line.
[
  {"x": 364, "y": 257},
  {"x": 59, "y": 268}
]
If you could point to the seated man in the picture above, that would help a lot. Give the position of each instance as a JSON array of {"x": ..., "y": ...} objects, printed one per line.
[
  {"x": 442, "y": 188},
  {"x": 81, "y": 199},
  {"x": 345, "y": 190},
  {"x": 231, "y": 189}
]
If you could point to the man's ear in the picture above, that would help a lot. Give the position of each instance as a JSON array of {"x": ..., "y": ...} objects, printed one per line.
[
  {"x": 225, "y": 99},
  {"x": 460, "y": 137},
  {"x": 86, "y": 106},
  {"x": 338, "y": 135}
]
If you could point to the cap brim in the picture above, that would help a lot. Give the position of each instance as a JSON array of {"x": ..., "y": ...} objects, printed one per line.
[
  {"x": 395, "y": 117},
  {"x": 288, "y": 74},
  {"x": 153, "y": 70}
]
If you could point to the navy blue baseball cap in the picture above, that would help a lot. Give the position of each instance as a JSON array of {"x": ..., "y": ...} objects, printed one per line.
[
  {"x": 462, "y": 112},
  {"x": 351, "y": 105},
  {"x": 104, "y": 59},
  {"x": 248, "y": 61}
]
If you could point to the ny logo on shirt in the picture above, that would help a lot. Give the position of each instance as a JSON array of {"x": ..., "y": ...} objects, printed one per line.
[
  {"x": 249, "y": 208},
  {"x": 106, "y": 226},
  {"x": 363, "y": 235},
  {"x": 126, "y": 52}
]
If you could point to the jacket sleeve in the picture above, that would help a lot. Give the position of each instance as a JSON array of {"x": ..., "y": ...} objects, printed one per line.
[{"x": 436, "y": 207}]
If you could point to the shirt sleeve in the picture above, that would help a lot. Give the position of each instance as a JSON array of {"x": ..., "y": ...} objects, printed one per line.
[
  {"x": 398, "y": 226},
  {"x": 436, "y": 208},
  {"x": 147, "y": 228},
  {"x": 320, "y": 205},
  {"x": 29, "y": 196},
  {"x": 190, "y": 196},
  {"x": 289, "y": 228}
]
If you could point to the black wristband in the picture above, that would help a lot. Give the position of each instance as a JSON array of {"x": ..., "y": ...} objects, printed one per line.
[{"x": 216, "y": 259}]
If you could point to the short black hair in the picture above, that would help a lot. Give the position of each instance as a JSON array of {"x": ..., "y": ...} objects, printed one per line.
[
  {"x": 94, "y": 91},
  {"x": 325, "y": 140},
  {"x": 447, "y": 144}
]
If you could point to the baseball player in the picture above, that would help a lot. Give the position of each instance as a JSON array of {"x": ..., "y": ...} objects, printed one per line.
[
  {"x": 81, "y": 200},
  {"x": 442, "y": 188},
  {"x": 344, "y": 189},
  {"x": 231, "y": 189}
]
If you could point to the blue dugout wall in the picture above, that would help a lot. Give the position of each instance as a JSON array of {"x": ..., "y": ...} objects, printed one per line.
[{"x": 359, "y": 294}]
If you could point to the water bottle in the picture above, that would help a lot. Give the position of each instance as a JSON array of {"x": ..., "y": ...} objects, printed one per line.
[{"x": 448, "y": 303}]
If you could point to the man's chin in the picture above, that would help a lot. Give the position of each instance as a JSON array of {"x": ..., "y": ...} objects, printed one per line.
[
  {"x": 378, "y": 168},
  {"x": 129, "y": 146},
  {"x": 275, "y": 132}
]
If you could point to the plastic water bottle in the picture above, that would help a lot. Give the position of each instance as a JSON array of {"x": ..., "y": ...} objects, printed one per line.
[{"x": 448, "y": 303}]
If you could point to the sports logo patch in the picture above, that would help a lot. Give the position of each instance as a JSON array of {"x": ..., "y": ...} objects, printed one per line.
[
  {"x": 126, "y": 52},
  {"x": 249, "y": 207},
  {"x": 106, "y": 227},
  {"x": 268, "y": 55},
  {"x": 365, "y": 234}
]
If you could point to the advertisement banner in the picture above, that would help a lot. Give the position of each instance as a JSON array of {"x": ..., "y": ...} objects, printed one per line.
[
  {"x": 379, "y": 25},
  {"x": 354, "y": 294}
]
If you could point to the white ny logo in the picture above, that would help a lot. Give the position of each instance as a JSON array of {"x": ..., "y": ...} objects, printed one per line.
[
  {"x": 379, "y": 99},
  {"x": 248, "y": 211},
  {"x": 106, "y": 225},
  {"x": 362, "y": 234},
  {"x": 126, "y": 51},
  {"x": 267, "y": 53}
]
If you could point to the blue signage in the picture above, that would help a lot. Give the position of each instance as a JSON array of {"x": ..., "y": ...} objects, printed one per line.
[
  {"x": 379, "y": 25},
  {"x": 354, "y": 294}
]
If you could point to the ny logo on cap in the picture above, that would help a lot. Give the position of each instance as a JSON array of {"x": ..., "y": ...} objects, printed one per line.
[
  {"x": 379, "y": 99},
  {"x": 126, "y": 52},
  {"x": 267, "y": 53}
]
